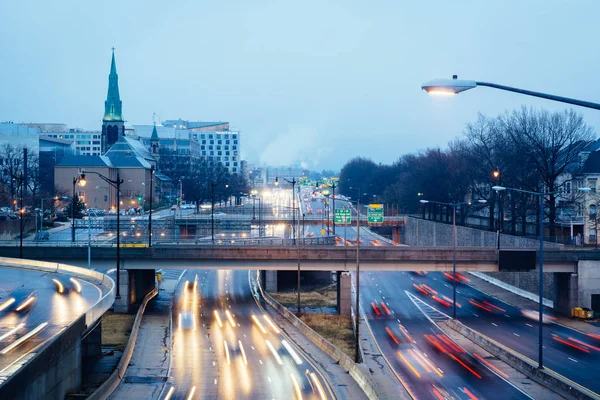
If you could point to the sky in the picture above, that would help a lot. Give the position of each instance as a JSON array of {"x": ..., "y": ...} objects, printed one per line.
[{"x": 310, "y": 82}]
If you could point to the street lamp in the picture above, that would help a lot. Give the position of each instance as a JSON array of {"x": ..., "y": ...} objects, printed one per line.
[
  {"x": 150, "y": 215},
  {"x": 357, "y": 319},
  {"x": 453, "y": 205},
  {"x": 82, "y": 183},
  {"x": 454, "y": 86},
  {"x": 20, "y": 178},
  {"x": 212, "y": 211},
  {"x": 293, "y": 183},
  {"x": 117, "y": 185},
  {"x": 541, "y": 264}
]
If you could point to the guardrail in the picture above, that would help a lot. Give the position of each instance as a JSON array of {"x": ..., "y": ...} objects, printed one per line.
[{"x": 115, "y": 379}]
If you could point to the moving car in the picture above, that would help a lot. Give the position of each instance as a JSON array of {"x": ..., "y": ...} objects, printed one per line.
[
  {"x": 19, "y": 300},
  {"x": 65, "y": 284}
]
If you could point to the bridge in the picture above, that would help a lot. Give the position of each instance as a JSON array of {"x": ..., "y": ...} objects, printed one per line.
[{"x": 312, "y": 257}]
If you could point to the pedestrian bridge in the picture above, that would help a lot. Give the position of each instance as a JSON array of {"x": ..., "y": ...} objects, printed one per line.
[{"x": 315, "y": 257}]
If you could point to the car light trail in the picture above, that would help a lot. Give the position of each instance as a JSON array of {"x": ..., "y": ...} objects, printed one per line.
[
  {"x": 375, "y": 309},
  {"x": 230, "y": 318},
  {"x": 272, "y": 324},
  {"x": 430, "y": 290},
  {"x": 226, "y": 352},
  {"x": 24, "y": 338},
  {"x": 7, "y": 303},
  {"x": 59, "y": 285},
  {"x": 26, "y": 303},
  {"x": 438, "y": 394},
  {"x": 262, "y": 328},
  {"x": 296, "y": 387},
  {"x": 420, "y": 289},
  {"x": 185, "y": 286},
  {"x": 191, "y": 395},
  {"x": 443, "y": 302},
  {"x": 493, "y": 306},
  {"x": 277, "y": 358},
  {"x": 422, "y": 356},
  {"x": 476, "y": 304},
  {"x": 243, "y": 352},
  {"x": 450, "y": 344},
  {"x": 431, "y": 339},
  {"x": 489, "y": 365},
  {"x": 12, "y": 331},
  {"x": 409, "y": 365},
  {"x": 573, "y": 345},
  {"x": 318, "y": 385},
  {"x": 385, "y": 308},
  {"x": 405, "y": 333},
  {"x": 465, "y": 366},
  {"x": 218, "y": 319},
  {"x": 77, "y": 284},
  {"x": 389, "y": 331},
  {"x": 468, "y": 393},
  {"x": 290, "y": 350},
  {"x": 418, "y": 360},
  {"x": 170, "y": 393},
  {"x": 584, "y": 344},
  {"x": 451, "y": 301}
]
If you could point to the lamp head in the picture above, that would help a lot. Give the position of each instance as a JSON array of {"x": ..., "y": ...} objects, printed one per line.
[
  {"x": 498, "y": 188},
  {"x": 424, "y": 201},
  {"x": 584, "y": 189},
  {"x": 496, "y": 174},
  {"x": 82, "y": 180},
  {"x": 482, "y": 201},
  {"x": 448, "y": 87}
]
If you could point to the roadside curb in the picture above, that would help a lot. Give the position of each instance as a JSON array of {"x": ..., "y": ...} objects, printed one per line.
[
  {"x": 364, "y": 381},
  {"x": 114, "y": 380},
  {"x": 546, "y": 377}
]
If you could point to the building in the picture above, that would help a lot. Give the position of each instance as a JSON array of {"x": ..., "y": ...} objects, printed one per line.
[
  {"x": 87, "y": 143},
  {"x": 198, "y": 139},
  {"x": 113, "y": 124},
  {"x": 289, "y": 173},
  {"x": 126, "y": 157},
  {"x": 19, "y": 135},
  {"x": 52, "y": 152}
]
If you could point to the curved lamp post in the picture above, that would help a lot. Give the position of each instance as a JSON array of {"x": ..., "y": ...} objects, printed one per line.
[{"x": 455, "y": 86}]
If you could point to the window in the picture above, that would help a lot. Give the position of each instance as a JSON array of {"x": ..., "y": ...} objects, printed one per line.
[
  {"x": 210, "y": 147},
  {"x": 227, "y": 142},
  {"x": 218, "y": 147},
  {"x": 227, "y": 136},
  {"x": 234, "y": 148},
  {"x": 203, "y": 136},
  {"x": 219, "y": 141},
  {"x": 212, "y": 153},
  {"x": 234, "y": 169},
  {"x": 235, "y": 163},
  {"x": 226, "y": 153},
  {"x": 220, "y": 153},
  {"x": 234, "y": 136},
  {"x": 568, "y": 187},
  {"x": 203, "y": 147},
  {"x": 212, "y": 142},
  {"x": 204, "y": 142},
  {"x": 235, "y": 142},
  {"x": 227, "y": 164},
  {"x": 592, "y": 211},
  {"x": 226, "y": 147},
  {"x": 210, "y": 136},
  {"x": 592, "y": 184},
  {"x": 204, "y": 153},
  {"x": 218, "y": 158}
]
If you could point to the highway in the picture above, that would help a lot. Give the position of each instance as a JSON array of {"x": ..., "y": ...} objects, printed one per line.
[
  {"x": 224, "y": 347},
  {"x": 21, "y": 331}
]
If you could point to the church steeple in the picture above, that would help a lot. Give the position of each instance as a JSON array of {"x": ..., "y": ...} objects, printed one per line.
[
  {"x": 113, "y": 124},
  {"x": 112, "y": 105},
  {"x": 154, "y": 142}
]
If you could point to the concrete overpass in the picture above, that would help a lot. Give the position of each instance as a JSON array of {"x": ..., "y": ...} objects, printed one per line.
[{"x": 316, "y": 258}]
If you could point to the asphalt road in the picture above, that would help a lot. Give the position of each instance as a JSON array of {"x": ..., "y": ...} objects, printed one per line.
[
  {"x": 57, "y": 310},
  {"x": 220, "y": 360}
]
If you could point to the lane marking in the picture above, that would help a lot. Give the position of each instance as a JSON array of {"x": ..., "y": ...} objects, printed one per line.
[
  {"x": 573, "y": 360},
  {"x": 516, "y": 334},
  {"x": 494, "y": 324}
]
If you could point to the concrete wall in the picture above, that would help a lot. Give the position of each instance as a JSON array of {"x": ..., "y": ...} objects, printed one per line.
[
  {"x": 588, "y": 282},
  {"x": 528, "y": 281},
  {"x": 425, "y": 233},
  {"x": 53, "y": 373}
]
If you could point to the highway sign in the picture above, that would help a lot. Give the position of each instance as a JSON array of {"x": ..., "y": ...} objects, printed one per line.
[
  {"x": 342, "y": 216},
  {"x": 375, "y": 214}
]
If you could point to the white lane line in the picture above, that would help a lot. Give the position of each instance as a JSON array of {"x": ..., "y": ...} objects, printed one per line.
[
  {"x": 494, "y": 324},
  {"x": 215, "y": 381},
  {"x": 446, "y": 285},
  {"x": 529, "y": 325},
  {"x": 573, "y": 359},
  {"x": 475, "y": 315},
  {"x": 260, "y": 361},
  {"x": 516, "y": 334}
]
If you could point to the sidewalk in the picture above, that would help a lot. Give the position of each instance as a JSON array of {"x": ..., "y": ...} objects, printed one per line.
[
  {"x": 149, "y": 367},
  {"x": 521, "y": 302}
]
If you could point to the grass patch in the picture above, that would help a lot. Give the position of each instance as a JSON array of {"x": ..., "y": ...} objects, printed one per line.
[
  {"x": 335, "y": 328},
  {"x": 116, "y": 329},
  {"x": 317, "y": 298}
]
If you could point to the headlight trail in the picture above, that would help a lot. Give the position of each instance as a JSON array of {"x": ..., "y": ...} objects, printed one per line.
[
  {"x": 227, "y": 352},
  {"x": 230, "y": 318},
  {"x": 7, "y": 303},
  {"x": 318, "y": 385},
  {"x": 77, "y": 284},
  {"x": 170, "y": 393},
  {"x": 26, "y": 303},
  {"x": 243, "y": 352},
  {"x": 24, "y": 338},
  {"x": 272, "y": 324},
  {"x": 296, "y": 387},
  {"x": 59, "y": 285},
  {"x": 275, "y": 354},
  {"x": 12, "y": 331},
  {"x": 262, "y": 328},
  {"x": 290, "y": 350},
  {"x": 218, "y": 319},
  {"x": 191, "y": 395}
]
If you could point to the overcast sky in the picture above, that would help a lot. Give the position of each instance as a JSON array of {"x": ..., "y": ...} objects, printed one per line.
[{"x": 317, "y": 82}]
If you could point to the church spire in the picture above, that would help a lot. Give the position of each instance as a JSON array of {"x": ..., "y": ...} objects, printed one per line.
[
  {"x": 154, "y": 133},
  {"x": 113, "y": 105}
]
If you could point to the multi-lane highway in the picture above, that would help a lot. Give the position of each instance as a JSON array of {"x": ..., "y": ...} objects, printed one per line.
[
  {"x": 224, "y": 346},
  {"x": 32, "y": 310}
]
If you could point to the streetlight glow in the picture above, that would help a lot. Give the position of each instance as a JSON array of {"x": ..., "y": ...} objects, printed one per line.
[
  {"x": 498, "y": 188},
  {"x": 424, "y": 201},
  {"x": 448, "y": 87}
]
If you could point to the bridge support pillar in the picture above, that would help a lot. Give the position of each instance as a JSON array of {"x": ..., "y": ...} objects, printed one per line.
[
  {"x": 91, "y": 344},
  {"x": 271, "y": 280},
  {"x": 135, "y": 284},
  {"x": 566, "y": 289},
  {"x": 396, "y": 237},
  {"x": 588, "y": 284},
  {"x": 344, "y": 293}
]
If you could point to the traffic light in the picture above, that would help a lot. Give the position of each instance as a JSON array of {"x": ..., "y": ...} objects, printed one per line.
[{"x": 140, "y": 198}]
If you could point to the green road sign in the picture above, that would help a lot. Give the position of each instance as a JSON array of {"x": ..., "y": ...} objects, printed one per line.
[
  {"x": 342, "y": 216},
  {"x": 375, "y": 214}
]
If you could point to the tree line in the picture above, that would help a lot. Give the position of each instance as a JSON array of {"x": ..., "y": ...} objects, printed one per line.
[{"x": 530, "y": 149}]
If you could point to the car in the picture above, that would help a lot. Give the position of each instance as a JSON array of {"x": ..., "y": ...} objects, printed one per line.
[
  {"x": 112, "y": 211},
  {"x": 65, "y": 284},
  {"x": 174, "y": 208},
  {"x": 187, "y": 206},
  {"x": 19, "y": 300},
  {"x": 187, "y": 320},
  {"x": 219, "y": 214}
]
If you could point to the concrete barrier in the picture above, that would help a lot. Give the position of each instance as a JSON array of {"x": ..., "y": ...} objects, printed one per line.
[
  {"x": 114, "y": 380},
  {"x": 545, "y": 377},
  {"x": 53, "y": 368},
  {"x": 354, "y": 369}
]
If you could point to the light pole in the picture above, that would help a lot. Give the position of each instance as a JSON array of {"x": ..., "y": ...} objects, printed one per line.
[
  {"x": 117, "y": 185},
  {"x": 19, "y": 177},
  {"x": 453, "y": 205},
  {"x": 150, "y": 214},
  {"x": 326, "y": 193},
  {"x": 82, "y": 184},
  {"x": 212, "y": 211},
  {"x": 541, "y": 265},
  {"x": 293, "y": 183},
  {"x": 455, "y": 86},
  {"x": 253, "y": 193},
  {"x": 333, "y": 186}
]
